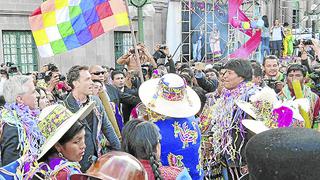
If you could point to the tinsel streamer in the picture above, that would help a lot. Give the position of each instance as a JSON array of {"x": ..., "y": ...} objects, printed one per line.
[
  {"x": 226, "y": 120},
  {"x": 29, "y": 135}
]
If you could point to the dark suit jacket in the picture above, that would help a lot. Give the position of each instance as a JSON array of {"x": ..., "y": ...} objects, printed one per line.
[
  {"x": 118, "y": 97},
  {"x": 126, "y": 107},
  {"x": 91, "y": 128},
  {"x": 129, "y": 99}
]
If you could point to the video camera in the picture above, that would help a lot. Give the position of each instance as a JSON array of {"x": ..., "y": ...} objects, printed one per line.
[
  {"x": 159, "y": 53},
  {"x": 12, "y": 69},
  {"x": 305, "y": 42},
  {"x": 273, "y": 84},
  {"x": 48, "y": 74},
  {"x": 163, "y": 47}
]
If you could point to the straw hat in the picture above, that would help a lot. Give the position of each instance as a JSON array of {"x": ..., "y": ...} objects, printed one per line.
[
  {"x": 170, "y": 96},
  {"x": 56, "y": 120}
]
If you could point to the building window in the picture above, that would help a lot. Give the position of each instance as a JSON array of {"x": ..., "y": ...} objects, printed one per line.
[
  {"x": 122, "y": 43},
  {"x": 295, "y": 19},
  {"x": 19, "y": 48}
]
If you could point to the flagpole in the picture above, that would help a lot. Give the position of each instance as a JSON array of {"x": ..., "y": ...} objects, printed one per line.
[{"x": 137, "y": 57}]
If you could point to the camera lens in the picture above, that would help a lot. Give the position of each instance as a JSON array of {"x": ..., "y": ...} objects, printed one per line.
[{"x": 62, "y": 77}]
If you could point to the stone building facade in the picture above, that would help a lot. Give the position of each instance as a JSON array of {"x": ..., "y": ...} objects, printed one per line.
[{"x": 296, "y": 12}]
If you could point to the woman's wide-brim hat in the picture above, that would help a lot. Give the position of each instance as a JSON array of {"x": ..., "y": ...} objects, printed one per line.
[
  {"x": 170, "y": 96},
  {"x": 114, "y": 165},
  {"x": 56, "y": 120}
]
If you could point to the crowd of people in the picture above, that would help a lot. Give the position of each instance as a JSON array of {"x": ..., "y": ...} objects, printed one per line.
[{"x": 179, "y": 120}]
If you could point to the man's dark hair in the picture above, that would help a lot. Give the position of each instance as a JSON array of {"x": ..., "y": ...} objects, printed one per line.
[
  {"x": 188, "y": 71},
  {"x": 257, "y": 70},
  {"x": 269, "y": 57},
  {"x": 211, "y": 70},
  {"x": 184, "y": 66},
  {"x": 265, "y": 21},
  {"x": 217, "y": 66},
  {"x": 241, "y": 67},
  {"x": 74, "y": 74},
  {"x": 297, "y": 67},
  {"x": 115, "y": 73}
]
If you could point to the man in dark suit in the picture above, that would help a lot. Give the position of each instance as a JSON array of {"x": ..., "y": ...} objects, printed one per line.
[
  {"x": 125, "y": 97},
  {"x": 118, "y": 80}
]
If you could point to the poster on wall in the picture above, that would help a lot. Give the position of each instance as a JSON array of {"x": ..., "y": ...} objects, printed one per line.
[{"x": 204, "y": 31}]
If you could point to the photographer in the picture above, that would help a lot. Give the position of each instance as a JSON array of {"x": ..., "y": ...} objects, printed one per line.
[
  {"x": 130, "y": 59},
  {"x": 160, "y": 55},
  {"x": 208, "y": 79},
  {"x": 147, "y": 70},
  {"x": 306, "y": 53},
  {"x": 54, "y": 82},
  {"x": 11, "y": 69}
]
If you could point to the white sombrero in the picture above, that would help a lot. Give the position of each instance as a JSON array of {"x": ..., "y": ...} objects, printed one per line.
[
  {"x": 170, "y": 96},
  {"x": 56, "y": 120},
  {"x": 247, "y": 108},
  {"x": 255, "y": 126}
]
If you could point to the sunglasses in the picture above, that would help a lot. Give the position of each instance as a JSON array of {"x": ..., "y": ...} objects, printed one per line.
[{"x": 98, "y": 73}]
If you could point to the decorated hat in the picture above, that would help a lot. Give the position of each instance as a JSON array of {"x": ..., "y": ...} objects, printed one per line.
[
  {"x": 56, "y": 120},
  {"x": 114, "y": 165},
  {"x": 269, "y": 112},
  {"x": 170, "y": 96},
  {"x": 284, "y": 154}
]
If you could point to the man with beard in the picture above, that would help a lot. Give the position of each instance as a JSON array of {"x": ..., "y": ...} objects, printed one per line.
[{"x": 97, "y": 124}]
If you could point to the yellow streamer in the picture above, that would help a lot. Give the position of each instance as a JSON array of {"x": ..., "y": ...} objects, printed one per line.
[{"x": 298, "y": 93}]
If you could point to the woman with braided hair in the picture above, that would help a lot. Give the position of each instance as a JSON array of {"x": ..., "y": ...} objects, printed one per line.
[{"x": 142, "y": 140}]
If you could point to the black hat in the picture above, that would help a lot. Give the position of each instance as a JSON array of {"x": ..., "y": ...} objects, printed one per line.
[{"x": 284, "y": 154}]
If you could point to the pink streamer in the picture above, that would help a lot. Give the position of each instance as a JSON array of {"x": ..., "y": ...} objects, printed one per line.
[
  {"x": 285, "y": 116},
  {"x": 236, "y": 17}
]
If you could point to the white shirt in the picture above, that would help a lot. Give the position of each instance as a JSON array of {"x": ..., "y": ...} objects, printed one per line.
[{"x": 276, "y": 34}]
